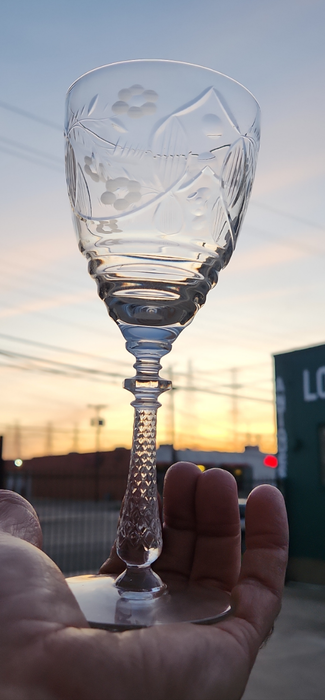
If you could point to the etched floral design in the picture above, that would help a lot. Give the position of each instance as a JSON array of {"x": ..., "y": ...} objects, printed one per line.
[
  {"x": 121, "y": 193},
  {"x": 110, "y": 226},
  {"x": 95, "y": 172},
  {"x": 189, "y": 173},
  {"x": 135, "y": 102},
  {"x": 198, "y": 205}
]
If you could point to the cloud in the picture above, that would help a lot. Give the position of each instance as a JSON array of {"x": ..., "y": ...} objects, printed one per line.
[
  {"x": 257, "y": 296},
  {"x": 280, "y": 176},
  {"x": 266, "y": 256},
  {"x": 40, "y": 305}
]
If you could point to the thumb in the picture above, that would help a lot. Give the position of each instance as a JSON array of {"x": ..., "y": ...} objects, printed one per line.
[{"x": 18, "y": 518}]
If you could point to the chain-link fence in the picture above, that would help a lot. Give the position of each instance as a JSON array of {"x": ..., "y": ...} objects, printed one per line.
[
  {"x": 77, "y": 535},
  {"x": 78, "y": 528}
]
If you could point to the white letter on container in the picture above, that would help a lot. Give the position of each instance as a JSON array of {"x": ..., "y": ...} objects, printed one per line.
[
  {"x": 308, "y": 395},
  {"x": 320, "y": 374}
]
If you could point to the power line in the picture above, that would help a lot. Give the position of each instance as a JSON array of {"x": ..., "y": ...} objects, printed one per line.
[
  {"x": 223, "y": 393},
  {"x": 59, "y": 349},
  {"x": 285, "y": 242},
  {"x": 222, "y": 370},
  {"x": 222, "y": 337},
  {"x": 30, "y": 160},
  {"x": 30, "y": 115},
  {"x": 35, "y": 151},
  {"x": 54, "y": 125},
  {"x": 244, "y": 327},
  {"x": 68, "y": 369},
  {"x": 245, "y": 331},
  {"x": 63, "y": 322},
  {"x": 44, "y": 428},
  {"x": 127, "y": 364},
  {"x": 61, "y": 372},
  {"x": 63, "y": 365},
  {"x": 36, "y": 260},
  {"x": 286, "y": 214}
]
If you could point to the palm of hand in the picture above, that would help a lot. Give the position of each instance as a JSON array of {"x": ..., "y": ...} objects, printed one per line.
[{"x": 49, "y": 652}]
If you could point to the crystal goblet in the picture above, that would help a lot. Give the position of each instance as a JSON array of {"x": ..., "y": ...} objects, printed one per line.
[{"x": 160, "y": 162}]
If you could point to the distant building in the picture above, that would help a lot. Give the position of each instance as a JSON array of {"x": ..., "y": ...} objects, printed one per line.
[
  {"x": 247, "y": 467},
  {"x": 103, "y": 475},
  {"x": 91, "y": 476}
]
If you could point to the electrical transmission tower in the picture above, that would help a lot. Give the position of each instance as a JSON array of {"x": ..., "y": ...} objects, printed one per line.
[
  {"x": 234, "y": 385},
  {"x": 17, "y": 439},
  {"x": 75, "y": 442},
  {"x": 192, "y": 422},
  {"x": 171, "y": 410},
  {"x": 49, "y": 439}
]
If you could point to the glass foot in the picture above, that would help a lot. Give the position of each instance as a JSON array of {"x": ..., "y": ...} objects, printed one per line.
[{"x": 106, "y": 606}]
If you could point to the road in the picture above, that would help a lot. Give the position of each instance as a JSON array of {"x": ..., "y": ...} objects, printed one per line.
[{"x": 291, "y": 665}]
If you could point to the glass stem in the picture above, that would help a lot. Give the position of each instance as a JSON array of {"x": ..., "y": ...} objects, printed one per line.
[{"x": 139, "y": 535}]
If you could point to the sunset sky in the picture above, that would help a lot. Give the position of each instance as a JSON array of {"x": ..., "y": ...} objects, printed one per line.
[{"x": 54, "y": 330}]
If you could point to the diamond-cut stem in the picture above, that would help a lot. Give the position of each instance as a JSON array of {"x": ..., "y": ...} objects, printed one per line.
[
  {"x": 139, "y": 536},
  {"x": 139, "y": 541}
]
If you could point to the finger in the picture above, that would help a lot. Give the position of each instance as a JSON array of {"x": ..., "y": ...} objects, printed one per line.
[
  {"x": 217, "y": 549},
  {"x": 18, "y": 518},
  {"x": 33, "y": 588},
  {"x": 112, "y": 565},
  {"x": 115, "y": 565},
  {"x": 179, "y": 530},
  {"x": 257, "y": 597}
]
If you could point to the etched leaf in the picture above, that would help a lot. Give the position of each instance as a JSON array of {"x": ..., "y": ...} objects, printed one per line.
[
  {"x": 118, "y": 125},
  {"x": 233, "y": 173},
  {"x": 83, "y": 200},
  {"x": 170, "y": 148},
  {"x": 221, "y": 231},
  {"x": 71, "y": 174},
  {"x": 92, "y": 104},
  {"x": 169, "y": 215},
  {"x": 251, "y": 159}
]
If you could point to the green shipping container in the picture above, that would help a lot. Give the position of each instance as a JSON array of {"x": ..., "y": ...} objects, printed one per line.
[{"x": 300, "y": 402}]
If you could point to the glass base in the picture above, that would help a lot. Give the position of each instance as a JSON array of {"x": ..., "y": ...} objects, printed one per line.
[{"x": 105, "y": 606}]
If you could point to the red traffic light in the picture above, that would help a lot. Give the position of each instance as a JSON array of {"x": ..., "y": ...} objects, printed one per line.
[{"x": 270, "y": 461}]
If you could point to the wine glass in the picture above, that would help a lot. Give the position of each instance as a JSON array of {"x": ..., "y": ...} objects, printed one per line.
[{"x": 160, "y": 162}]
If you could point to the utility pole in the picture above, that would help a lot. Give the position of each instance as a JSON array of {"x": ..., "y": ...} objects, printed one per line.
[
  {"x": 17, "y": 439},
  {"x": 2, "y": 471},
  {"x": 49, "y": 439},
  {"x": 75, "y": 442},
  {"x": 97, "y": 422},
  {"x": 192, "y": 424},
  {"x": 171, "y": 411},
  {"x": 234, "y": 385}
]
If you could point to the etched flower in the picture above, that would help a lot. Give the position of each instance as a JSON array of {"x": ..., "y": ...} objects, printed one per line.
[
  {"x": 135, "y": 102},
  {"x": 121, "y": 193}
]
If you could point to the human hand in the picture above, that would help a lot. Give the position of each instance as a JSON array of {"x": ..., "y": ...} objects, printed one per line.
[{"x": 48, "y": 652}]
